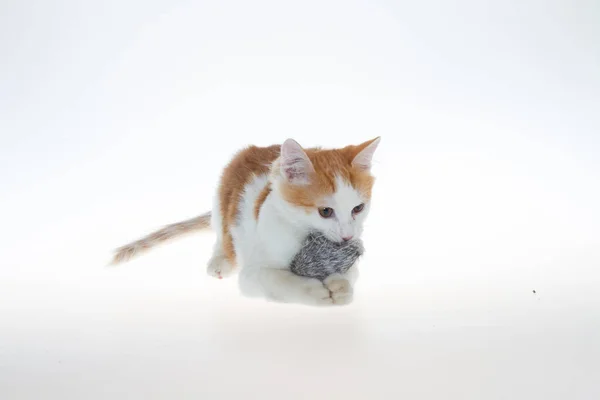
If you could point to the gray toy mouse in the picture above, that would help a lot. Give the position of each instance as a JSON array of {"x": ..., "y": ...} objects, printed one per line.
[{"x": 320, "y": 257}]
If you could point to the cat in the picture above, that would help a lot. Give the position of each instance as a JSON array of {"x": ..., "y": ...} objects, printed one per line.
[{"x": 268, "y": 199}]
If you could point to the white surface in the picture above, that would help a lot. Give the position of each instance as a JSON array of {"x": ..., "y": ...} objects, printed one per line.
[{"x": 116, "y": 118}]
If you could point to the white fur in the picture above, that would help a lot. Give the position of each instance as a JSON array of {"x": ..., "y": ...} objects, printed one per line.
[
  {"x": 265, "y": 248},
  {"x": 218, "y": 266}
]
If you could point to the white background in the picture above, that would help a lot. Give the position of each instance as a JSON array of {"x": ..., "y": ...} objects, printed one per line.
[{"x": 116, "y": 117}]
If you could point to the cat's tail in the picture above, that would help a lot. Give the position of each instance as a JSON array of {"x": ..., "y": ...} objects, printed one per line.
[{"x": 169, "y": 232}]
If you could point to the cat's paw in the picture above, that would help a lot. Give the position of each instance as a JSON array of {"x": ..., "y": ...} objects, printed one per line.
[
  {"x": 219, "y": 268},
  {"x": 340, "y": 289},
  {"x": 315, "y": 293}
]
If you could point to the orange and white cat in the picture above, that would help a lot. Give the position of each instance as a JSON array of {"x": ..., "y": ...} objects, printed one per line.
[{"x": 269, "y": 198}]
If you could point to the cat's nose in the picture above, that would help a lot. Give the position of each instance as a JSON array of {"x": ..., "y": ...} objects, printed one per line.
[{"x": 347, "y": 238}]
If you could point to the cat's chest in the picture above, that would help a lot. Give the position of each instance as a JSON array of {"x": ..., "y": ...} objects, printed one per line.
[{"x": 278, "y": 241}]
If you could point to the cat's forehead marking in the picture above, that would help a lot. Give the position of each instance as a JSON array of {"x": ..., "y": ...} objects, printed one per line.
[{"x": 334, "y": 171}]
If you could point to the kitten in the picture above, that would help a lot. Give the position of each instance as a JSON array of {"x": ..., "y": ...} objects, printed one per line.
[{"x": 268, "y": 200}]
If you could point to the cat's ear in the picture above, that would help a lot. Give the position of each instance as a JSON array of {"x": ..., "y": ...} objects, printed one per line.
[
  {"x": 364, "y": 154},
  {"x": 295, "y": 165}
]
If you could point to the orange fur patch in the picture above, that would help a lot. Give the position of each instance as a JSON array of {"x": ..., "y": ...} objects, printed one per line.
[
  {"x": 246, "y": 164},
  {"x": 261, "y": 199}
]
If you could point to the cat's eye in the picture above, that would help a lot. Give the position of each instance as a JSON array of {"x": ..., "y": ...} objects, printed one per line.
[
  {"x": 358, "y": 208},
  {"x": 326, "y": 212}
]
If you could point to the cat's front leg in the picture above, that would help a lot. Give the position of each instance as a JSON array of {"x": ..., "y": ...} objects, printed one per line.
[
  {"x": 282, "y": 285},
  {"x": 341, "y": 286}
]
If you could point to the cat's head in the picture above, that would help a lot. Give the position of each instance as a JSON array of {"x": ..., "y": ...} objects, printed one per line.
[{"x": 326, "y": 190}]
